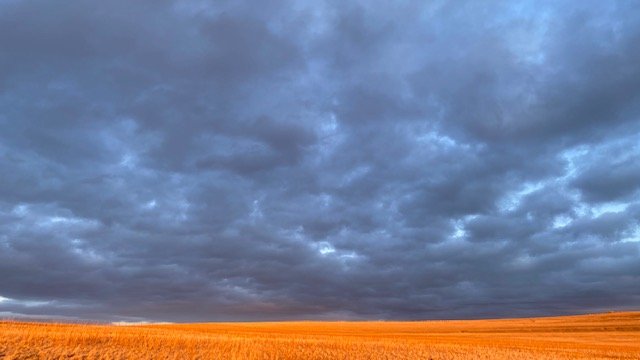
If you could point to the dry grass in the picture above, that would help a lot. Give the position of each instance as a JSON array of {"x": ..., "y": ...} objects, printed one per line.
[{"x": 599, "y": 336}]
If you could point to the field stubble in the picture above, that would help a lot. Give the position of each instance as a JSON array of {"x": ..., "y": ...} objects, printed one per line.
[{"x": 598, "y": 336}]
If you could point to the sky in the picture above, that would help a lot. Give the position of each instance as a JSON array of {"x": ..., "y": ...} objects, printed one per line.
[{"x": 277, "y": 160}]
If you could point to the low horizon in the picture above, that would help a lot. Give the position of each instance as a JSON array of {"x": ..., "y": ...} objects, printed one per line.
[
  {"x": 53, "y": 320},
  {"x": 170, "y": 161}
]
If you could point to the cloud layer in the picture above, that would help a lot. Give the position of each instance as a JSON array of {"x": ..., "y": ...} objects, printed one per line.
[{"x": 184, "y": 161}]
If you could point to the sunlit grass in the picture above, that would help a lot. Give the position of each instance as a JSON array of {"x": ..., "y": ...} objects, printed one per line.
[{"x": 600, "y": 336}]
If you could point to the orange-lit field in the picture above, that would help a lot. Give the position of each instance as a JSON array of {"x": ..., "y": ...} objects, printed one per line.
[{"x": 600, "y": 336}]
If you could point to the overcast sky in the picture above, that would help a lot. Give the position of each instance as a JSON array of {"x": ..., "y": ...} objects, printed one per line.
[{"x": 192, "y": 161}]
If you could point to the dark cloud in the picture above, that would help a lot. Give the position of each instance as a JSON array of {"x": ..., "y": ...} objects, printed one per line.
[{"x": 187, "y": 161}]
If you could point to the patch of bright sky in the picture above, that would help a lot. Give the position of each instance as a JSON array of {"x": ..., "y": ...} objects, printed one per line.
[
  {"x": 256, "y": 211},
  {"x": 25, "y": 303},
  {"x": 433, "y": 137},
  {"x": 325, "y": 248},
  {"x": 572, "y": 158},
  {"x": 64, "y": 221},
  {"x": 150, "y": 205},
  {"x": 611, "y": 207},
  {"x": 88, "y": 255},
  {"x": 634, "y": 236},
  {"x": 512, "y": 200},
  {"x": 33, "y": 303},
  {"x": 20, "y": 210},
  {"x": 561, "y": 221},
  {"x": 459, "y": 231},
  {"x": 348, "y": 255},
  {"x": 47, "y": 217},
  {"x": 134, "y": 323},
  {"x": 581, "y": 209},
  {"x": 128, "y": 160},
  {"x": 580, "y": 156},
  {"x": 329, "y": 126}
]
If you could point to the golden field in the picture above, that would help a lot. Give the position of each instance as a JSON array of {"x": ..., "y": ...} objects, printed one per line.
[{"x": 598, "y": 336}]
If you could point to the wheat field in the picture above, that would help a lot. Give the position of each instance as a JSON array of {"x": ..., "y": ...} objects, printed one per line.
[{"x": 597, "y": 336}]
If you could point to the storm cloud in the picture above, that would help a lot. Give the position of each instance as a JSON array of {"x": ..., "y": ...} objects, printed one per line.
[{"x": 231, "y": 160}]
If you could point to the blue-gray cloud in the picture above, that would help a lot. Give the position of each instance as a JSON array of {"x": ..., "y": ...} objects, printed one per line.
[{"x": 192, "y": 161}]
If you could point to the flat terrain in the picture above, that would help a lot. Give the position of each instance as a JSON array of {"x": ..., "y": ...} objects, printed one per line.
[{"x": 598, "y": 336}]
